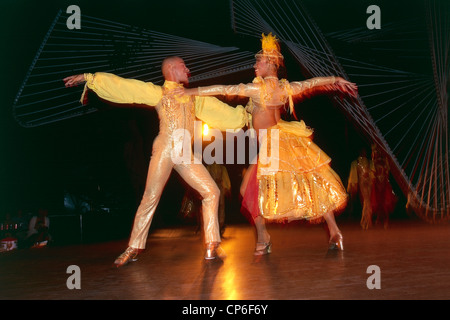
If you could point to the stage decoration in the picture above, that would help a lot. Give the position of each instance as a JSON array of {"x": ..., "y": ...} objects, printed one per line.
[
  {"x": 401, "y": 71},
  {"x": 402, "y": 106},
  {"x": 107, "y": 46}
]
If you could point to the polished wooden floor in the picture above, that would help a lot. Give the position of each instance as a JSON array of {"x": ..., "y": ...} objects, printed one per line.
[{"x": 413, "y": 257}]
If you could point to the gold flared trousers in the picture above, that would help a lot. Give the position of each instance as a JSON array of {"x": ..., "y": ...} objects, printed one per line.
[{"x": 196, "y": 175}]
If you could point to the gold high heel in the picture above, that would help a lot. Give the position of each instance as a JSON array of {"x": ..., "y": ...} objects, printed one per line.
[
  {"x": 213, "y": 251},
  {"x": 128, "y": 255},
  {"x": 265, "y": 250},
  {"x": 337, "y": 242}
]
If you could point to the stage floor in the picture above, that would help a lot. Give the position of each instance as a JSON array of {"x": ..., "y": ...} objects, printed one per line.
[{"x": 413, "y": 259}]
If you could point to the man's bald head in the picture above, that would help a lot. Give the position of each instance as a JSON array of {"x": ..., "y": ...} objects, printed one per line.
[
  {"x": 169, "y": 63},
  {"x": 174, "y": 69}
]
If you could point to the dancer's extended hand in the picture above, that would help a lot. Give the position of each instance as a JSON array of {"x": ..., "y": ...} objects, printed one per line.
[
  {"x": 346, "y": 86},
  {"x": 74, "y": 80}
]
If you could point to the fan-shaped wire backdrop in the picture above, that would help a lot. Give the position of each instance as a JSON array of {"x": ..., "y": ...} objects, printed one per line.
[
  {"x": 403, "y": 111},
  {"x": 102, "y": 45}
]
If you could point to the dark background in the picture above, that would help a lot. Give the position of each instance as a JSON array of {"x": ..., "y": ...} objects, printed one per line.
[{"x": 87, "y": 154}]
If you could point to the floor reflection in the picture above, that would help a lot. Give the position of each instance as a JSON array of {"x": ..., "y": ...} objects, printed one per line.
[
  {"x": 210, "y": 270},
  {"x": 299, "y": 267}
]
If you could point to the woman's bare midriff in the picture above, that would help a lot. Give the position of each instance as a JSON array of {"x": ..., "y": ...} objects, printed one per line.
[{"x": 264, "y": 118}]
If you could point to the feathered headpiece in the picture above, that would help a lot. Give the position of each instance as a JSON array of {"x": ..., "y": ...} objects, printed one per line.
[{"x": 271, "y": 50}]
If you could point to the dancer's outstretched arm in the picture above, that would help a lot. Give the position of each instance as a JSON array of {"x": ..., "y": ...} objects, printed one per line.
[
  {"x": 321, "y": 85},
  {"x": 116, "y": 89}
]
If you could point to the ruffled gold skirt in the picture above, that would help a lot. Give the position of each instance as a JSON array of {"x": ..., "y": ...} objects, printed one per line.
[{"x": 295, "y": 179}]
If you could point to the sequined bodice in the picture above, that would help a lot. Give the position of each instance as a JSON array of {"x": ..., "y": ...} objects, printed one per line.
[
  {"x": 273, "y": 93},
  {"x": 176, "y": 112}
]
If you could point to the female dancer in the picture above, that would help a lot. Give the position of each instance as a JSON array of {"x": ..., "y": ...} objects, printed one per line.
[{"x": 302, "y": 184}]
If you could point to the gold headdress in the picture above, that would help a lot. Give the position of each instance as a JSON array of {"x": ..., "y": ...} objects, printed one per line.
[{"x": 271, "y": 50}]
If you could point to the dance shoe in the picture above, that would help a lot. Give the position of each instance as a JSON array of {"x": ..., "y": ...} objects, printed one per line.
[
  {"x": 129, "y": 255},
  {"x": 266, "y": 249},
  {"x": 213, "y": 251},
  {"x": 337, "y": 242}
]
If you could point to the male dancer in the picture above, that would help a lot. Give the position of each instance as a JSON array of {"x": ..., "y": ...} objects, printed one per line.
[{"x": 175, "y": 112}]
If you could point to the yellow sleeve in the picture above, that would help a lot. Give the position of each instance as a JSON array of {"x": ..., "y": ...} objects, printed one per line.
[
  {"x": 119, "y": 90},
  {"x": 220, "y": 115}
]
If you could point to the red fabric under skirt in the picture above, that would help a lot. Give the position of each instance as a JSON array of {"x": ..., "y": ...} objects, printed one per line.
[{"x": 249, "y": 205}]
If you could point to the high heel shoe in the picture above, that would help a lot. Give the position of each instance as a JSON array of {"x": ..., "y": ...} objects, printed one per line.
[
  {"x": 129, "y": 255},
  {"x": 265, "y": 250},
  {"x": 213, "y": 251},
  {"x": 337, "y": 242}
]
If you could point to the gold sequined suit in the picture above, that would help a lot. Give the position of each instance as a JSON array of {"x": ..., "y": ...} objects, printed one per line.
[
  {"x": 220, "y": 175},
  {"x": 175, "y": 112},
  {"x": 302, "y": 184}
]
